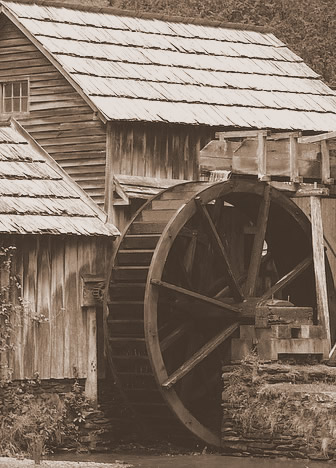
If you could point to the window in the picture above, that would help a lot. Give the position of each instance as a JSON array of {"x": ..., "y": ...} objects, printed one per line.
[{"x": 14, "y": 97}]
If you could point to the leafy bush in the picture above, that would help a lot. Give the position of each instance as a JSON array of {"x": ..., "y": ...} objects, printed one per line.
[{"x": 31, "y": 421}]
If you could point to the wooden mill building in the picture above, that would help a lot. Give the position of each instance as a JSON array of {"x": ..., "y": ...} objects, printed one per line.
[
  {"x": 59, "y": 235},
  {"x": 130, "y": 105},
  {"x": 107, "y": 94}
]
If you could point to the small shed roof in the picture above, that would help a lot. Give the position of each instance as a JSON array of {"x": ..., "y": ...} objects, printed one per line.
[
  {"x": 147, "y": 69},
  {"x": 128, "y": 187},
  {"x": 37, "y": 197}
]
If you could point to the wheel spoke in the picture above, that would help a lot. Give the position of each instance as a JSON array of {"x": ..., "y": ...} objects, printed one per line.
[
  {"x": 217, "y": 212},
  {"x": 287, "y": 279},
  {"x": 258, "y": 243},
  {"x": 190, "y": 253},
  {"x": 174, "y": 336},
  {"x": 220, "y": 249},
  {"x": 197, "y": 296},
  {"x": 199, "y": 356},
  {"x": 185, "y": 276}
]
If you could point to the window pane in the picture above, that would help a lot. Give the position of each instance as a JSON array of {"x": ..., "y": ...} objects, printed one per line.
[
  {"x": 16, "y": 104},
  {"x": 8, "y": 89},
  {"x": 24, "y": 104},
  {"x": 7, "y": 105},
  {"x": 16, "y": 89},
  {"x": 15, "y": 97},
  {"x": 24, "y": 88}
]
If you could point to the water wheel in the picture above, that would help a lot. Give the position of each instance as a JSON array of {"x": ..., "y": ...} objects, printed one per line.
[{"x": 192, "y": 265}]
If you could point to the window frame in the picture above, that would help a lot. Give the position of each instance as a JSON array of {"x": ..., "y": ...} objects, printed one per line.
[{"x": 12, "y": 81}]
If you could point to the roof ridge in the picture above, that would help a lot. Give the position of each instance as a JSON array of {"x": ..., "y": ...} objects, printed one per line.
[{"x": 72, "y": 5}]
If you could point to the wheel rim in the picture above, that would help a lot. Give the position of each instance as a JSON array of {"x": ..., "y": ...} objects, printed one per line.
[{"x": 176, "y": 333}]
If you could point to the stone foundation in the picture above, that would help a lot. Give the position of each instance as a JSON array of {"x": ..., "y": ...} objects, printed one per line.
[{"x": 305, "y": 389}]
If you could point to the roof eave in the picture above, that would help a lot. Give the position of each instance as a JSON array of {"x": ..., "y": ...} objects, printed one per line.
[{"x": 101, "y": 215}]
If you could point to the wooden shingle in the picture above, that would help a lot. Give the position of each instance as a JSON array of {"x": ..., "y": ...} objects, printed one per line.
[
  {"x": 155, "y": 70},
  {"x": 37, "y": 197}
]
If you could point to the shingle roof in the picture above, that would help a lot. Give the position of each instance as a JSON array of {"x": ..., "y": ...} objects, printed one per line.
[
  {"x": 152, "y": 70},
  {"x": 37, "y": 197}
]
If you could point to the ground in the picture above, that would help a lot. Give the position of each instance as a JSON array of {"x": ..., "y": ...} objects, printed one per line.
[{"x": 14, "y": 463}]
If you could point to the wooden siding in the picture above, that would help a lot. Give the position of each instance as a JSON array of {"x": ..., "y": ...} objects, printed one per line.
[
  {"x": 59, "y": 119},
  {"x": 151, "y": 150},
  {"x": 50, "y": 269}
]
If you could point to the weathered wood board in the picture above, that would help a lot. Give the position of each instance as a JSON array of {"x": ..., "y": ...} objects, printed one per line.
[
  {"x": 50, "y": 332},
  {"x": 240, "y": 158},
  {"x": 59, "y": 118}
]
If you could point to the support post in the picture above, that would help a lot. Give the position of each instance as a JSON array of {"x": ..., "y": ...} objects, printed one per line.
[
  {"x": 91, "y": 297},
  {"x": 319, "y": 266},
  {"x": 91, "y": 384},
  {"x": 293, "y": 159},
  {"x": 325, "y": 163},
  {"x": 261, "y": 157}
]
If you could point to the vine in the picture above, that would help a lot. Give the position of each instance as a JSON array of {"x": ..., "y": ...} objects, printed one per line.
[{"x": 31, "y": 422}]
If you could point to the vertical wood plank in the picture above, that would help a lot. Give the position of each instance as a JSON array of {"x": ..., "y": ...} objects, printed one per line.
[
  {"x": 293, "y": 159},
  {"x": 319, "y": 266},
  {"x": 144, "y": 155},
  {"x": 184, "y": 168},
  {"x": 57, "y": 308},
  {"x": 110, "y": 139},
  {"x": 91, "y": 383},
  {"x": 168, "y": 163},
  {"x": 261, "y": 156},
  {"x": 258, "y": 243},
  {"x": 197, "y": 168},
  {"x": 86, "y": 264},
  {"x": 325, "y": 163},
  {"x": 156, "y": 156},
  {"x": 29, "y": 344},
  {"x": 17, "y": 363},
  {"x": 43, "y": 327},
  {"x": 71, "y": 305}
]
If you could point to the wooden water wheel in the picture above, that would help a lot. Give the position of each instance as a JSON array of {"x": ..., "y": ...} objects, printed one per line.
[{"x": 193, "y": 264}]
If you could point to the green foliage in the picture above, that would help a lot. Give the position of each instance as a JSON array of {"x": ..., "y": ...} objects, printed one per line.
[{"x": 31, "y": 421}]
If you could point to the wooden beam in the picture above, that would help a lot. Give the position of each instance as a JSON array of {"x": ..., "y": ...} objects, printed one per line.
[
  {"x": 221, "y": 250},
  {"x": 283, "y": 135},
  {"x": 319, "y": 266},
  {"x": 196, "y": 296},
  {"x": 223, "y": 292},
  {"x": 241, "y": 134},
  {"x": 317, "y": 138},
  {"x": 258, "y": 243},
  {"x": 325, "y": 163},
  {"x": 174, "y": 336},
  {"x": 287, "y": 279},
  {"x": 312, "y": 192},
  {"x": 199, "y": 356}
]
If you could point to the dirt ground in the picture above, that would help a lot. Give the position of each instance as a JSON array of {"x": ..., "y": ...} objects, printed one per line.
[{"x": 14, "y": 463}]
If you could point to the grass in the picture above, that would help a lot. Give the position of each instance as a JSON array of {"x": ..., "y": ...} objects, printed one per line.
[{"x": 305, "y": 410}]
